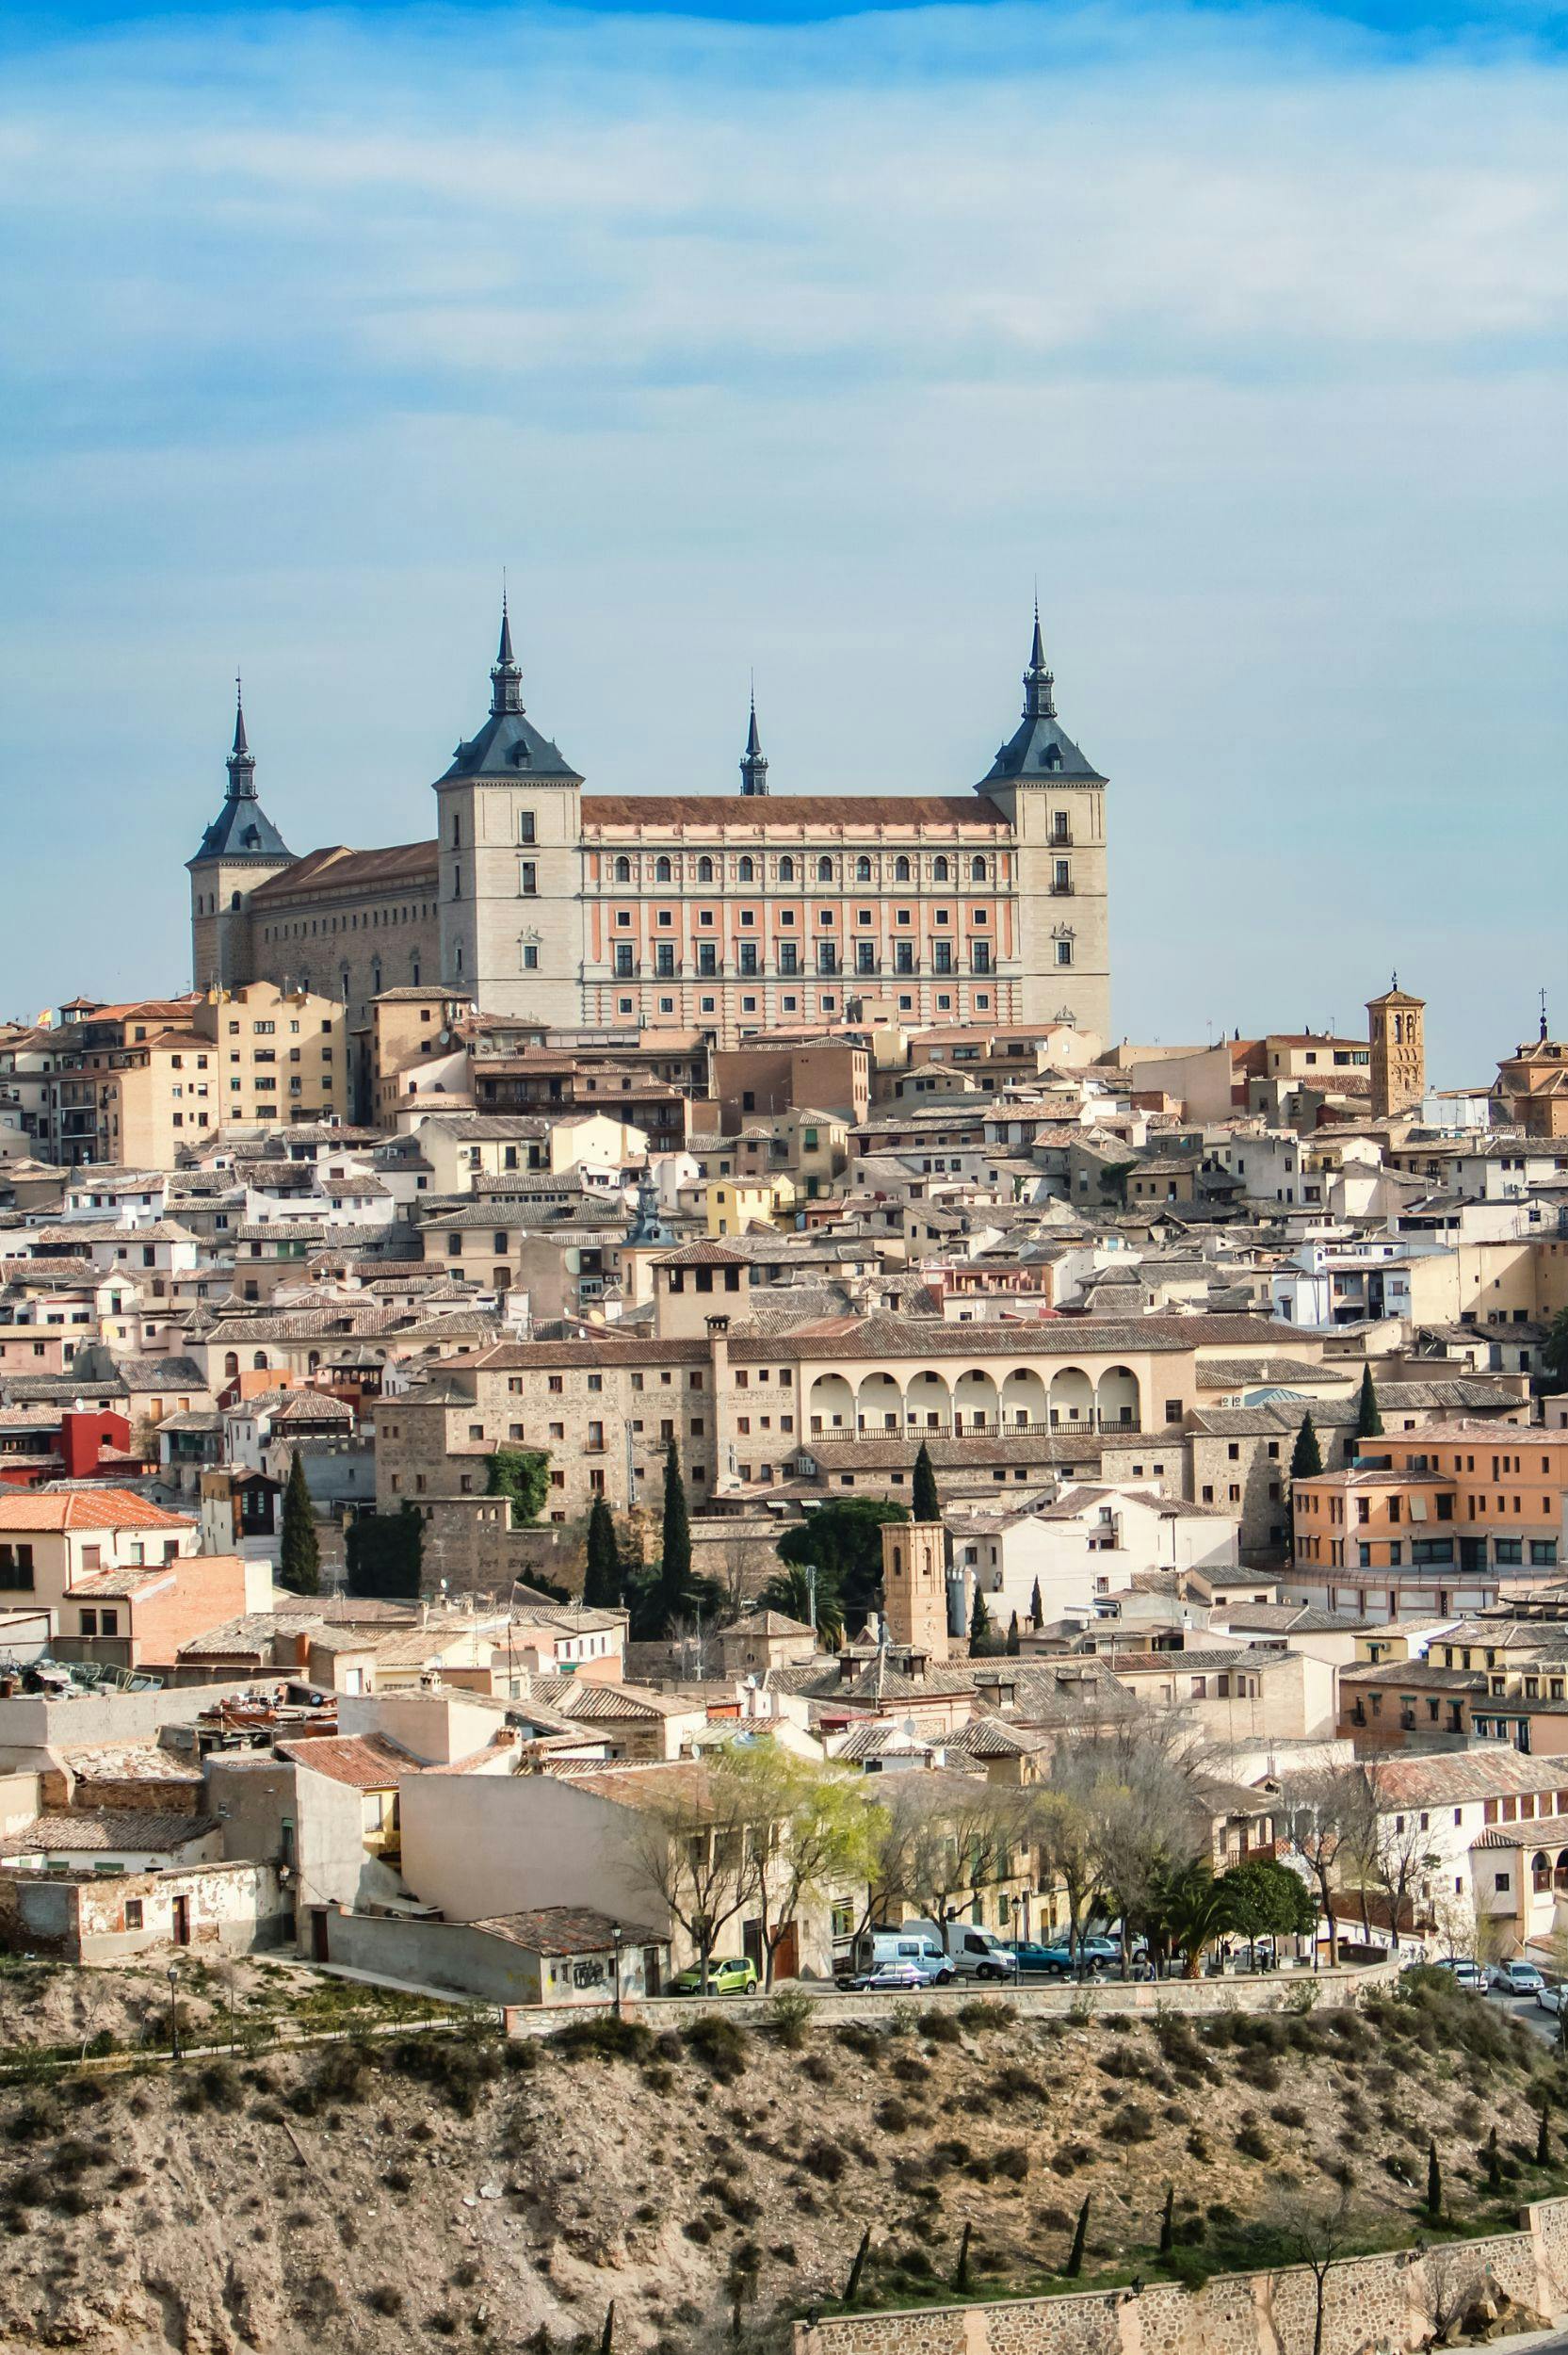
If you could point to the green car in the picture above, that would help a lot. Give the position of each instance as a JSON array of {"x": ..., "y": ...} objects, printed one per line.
[{"x": 734, "y": 1977}]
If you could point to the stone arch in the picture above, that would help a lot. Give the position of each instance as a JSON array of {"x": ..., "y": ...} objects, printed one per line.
[
  {"x": 258, "y": 1363},
  {"x": 900, "y": 868},
  {"x": 662, "y": 870},
  {"x": 974, "y": 1400},
  {"x": 927, "y": 1403},
  {"x": 787, "y": 869},
  {"x": 1540, "y": 1872},
  {"x": 880, "y": 1405},
  {"x": 1072, "y": 1400},
  {"x": 862, "y": 869},
  {"x": 746, "y": 869},
  {"x": 1118, "y": 1399},
  {"x": 1024, "y": 1400},
  {"x": 831, "y": 1404},
  {"x": 939, "y": 868},
  {"x": 623, "y": 870},
  {"x": 705, "y": 869}
]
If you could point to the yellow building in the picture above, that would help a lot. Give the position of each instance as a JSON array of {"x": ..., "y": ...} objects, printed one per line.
[
  {"x": 734, "y": 1203},
  {"x": 280, "y": 1055}
]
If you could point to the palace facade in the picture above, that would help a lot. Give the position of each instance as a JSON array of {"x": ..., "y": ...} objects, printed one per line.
[{"x": 736, "y": 913}]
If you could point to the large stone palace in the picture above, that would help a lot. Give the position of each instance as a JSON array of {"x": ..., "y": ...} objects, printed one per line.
[{"x": 732, "y": 913}]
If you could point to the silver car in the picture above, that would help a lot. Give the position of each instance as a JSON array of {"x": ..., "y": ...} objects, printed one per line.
[{"x": 1512, "y": 1979}]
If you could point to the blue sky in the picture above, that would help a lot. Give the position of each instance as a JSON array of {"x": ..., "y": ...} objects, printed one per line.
[{"x": 778, "y": 338}]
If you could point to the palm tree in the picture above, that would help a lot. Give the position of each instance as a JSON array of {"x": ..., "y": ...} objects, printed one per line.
[
  {"x": 789, "y": 1592},
  {"x": 1197, "y": 1911}
]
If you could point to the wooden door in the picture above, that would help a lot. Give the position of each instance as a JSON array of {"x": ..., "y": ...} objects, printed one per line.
[
  {"x": 786, "y": 1954},
  {"x": 181, "y": 1921}
]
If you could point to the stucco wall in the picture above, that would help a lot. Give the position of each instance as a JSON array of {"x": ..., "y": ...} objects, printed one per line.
[{"x": 1381, "y": 2301}]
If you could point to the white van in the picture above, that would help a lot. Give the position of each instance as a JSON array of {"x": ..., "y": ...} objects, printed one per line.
[
  {"x": 974, "y": 1954},
  {"x": 915, "y": 1941}
]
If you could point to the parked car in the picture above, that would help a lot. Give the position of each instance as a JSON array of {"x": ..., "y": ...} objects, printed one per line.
[
  {"x": 1553, "y": 1997},
  {"x": 898, "y": 1978},
  {"x": 1512, "y": 1979},
  {"x": 1030, "y": 1956},
  {"x": 731, "y": 1974},
  {"x": 907, "y": 1945},
  {"x": 1467, "y": 1973}
]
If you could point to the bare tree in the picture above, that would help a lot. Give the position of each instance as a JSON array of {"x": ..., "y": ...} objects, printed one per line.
[
  {"x": 692, "y": 1848},
  {"x": 809, "y": 1829},
  {"x": 1445, "y": 2283},
  {"x": 1315, "y": 2233},
  {"x": 960, "y": 1840},
  {"x": 1401, "y": 1851},
  {"x": 1321, "y": 1820}
]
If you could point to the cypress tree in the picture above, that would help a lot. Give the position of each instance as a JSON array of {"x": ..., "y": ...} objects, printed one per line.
[
  {"x": 300, "y": 1554},
  {"x": 602, "y": 1576},
  {"x": 852, "y": 2286},
  {"x": 1542, "y": 2140},
  {"x": 1075, "y": 2263},
  {"x": 1014, "y": 1647},
  {"x": 1306, "y": 1460},
  {"x": 1037, "y": 1608},
  {"x": 675, "y": 1579},
  {"x": 607, "y": 2337},
  {"x": 1167, "y": 2222},
  {"x": 980, "y": 1626},
  {"x": 1494, "y": 2163},
  {"x": 1368, "y": 1418},
  {"x": 960, "y": 2278},
  {"x": 927, "y": 1503},
  {"x": 1434, "y": 2182}
]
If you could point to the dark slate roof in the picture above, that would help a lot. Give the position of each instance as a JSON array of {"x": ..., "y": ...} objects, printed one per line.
[
  {"x": 508, "y": 745},
  {"x": 242, "y": 829},
  {"x": 1040, "y": 748}
]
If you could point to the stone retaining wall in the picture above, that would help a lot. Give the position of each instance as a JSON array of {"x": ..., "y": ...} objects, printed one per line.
[
  {"x": 1370, "y": 2302},
  {"x": 1270, "y": 1990}
]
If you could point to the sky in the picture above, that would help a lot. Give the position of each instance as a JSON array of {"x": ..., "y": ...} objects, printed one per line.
[{"x": 779, "y": 341}]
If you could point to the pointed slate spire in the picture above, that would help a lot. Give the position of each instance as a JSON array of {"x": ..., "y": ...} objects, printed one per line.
[
  {"x": 753, "y": 766},
  {"x": 1038, "y": 684},
  {"x": 241, "y": 765},
  {"x": 506, "y": 679}
]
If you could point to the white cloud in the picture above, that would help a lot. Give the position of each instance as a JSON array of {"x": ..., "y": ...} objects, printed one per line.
[{"x": 812, "y": 345}]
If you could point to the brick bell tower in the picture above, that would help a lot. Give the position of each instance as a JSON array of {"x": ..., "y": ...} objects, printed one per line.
[
  {"x": 1396, "y": 1030},
  {"x": 915, "y": 1585}
]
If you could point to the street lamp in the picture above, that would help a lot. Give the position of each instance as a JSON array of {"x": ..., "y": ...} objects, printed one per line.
[
  {"x": 616, "y": 1935},
  {"x": 174, "y": 2012}
]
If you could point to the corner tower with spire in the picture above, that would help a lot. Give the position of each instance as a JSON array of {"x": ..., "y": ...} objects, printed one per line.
[
  {"x": 241, "y": 849},
  {"x": 509, "y": 860},
  {"x": 754, "y": 761},
  {"x": 1054, "y": 798}
]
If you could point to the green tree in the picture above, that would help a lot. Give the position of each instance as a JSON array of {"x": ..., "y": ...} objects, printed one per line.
[
  {"x": 385, "y": 1552},
  {"x": 1306, "y": 1457},
  {"x": 1434, "y": 2182},
  {"x": 1014, "y": 1646},
  {"x": 981, "y": 1633},
  {"x": 1075, "y": 2262},
  {"x": 845, "y": 1539},
  {"x": 1167, "y": 2222},
  {"x": 1368, "y": 1418},
  {"x": 927, "y": 1504},
  {"x": 300, "y": 1552},
  {"x": 1194, "y": 1909},
  {"x": 522, "y": 1475},
  {"x": 1268, "y": 1900},
  {"x": 1037, "y": 1608},
  {"x": 790, "y": 1593},
  {"x": 671, "y": 1592},
  {"x": 1554, "y": 1349},
  {"x": 602, "y": 1574},
  {"x": 809, "y": 1830},
  {"x": 1306, "y": 1462}
]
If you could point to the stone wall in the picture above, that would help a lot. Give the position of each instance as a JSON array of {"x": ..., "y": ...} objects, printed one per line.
[
  {"x": 1274, "y": 1991},
  {"x": 1390, "y": 2301}
]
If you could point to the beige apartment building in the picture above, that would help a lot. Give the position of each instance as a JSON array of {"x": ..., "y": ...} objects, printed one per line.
[
  {"x": 744, "y": 1407},
  {"x": 734, "y": 913}
]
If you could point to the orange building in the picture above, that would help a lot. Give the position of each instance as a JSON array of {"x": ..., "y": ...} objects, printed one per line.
[{"x": 1460, "y": 1499}]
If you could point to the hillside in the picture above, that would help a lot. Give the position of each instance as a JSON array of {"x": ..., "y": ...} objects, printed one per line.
[{"x": 451, "y": 2186}]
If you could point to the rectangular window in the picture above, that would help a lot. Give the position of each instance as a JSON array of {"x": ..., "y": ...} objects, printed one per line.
[
  {"x": 524, "y": 825},
  {"x": 664, "y": 960},
  {"x": 749, "y": 956},
  {"x": 942, "y": 956},
  {"x": 624, "y": 959},
  {"x": 1064, "y": 952},
  {"x": 527, "y": 878},
  {"x": 790, "y": 957}
]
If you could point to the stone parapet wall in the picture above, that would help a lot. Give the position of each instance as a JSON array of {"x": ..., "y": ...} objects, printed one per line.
[
  {"x": 1387, "y": 2302},
  {"x": 1272, "y": 1990}
]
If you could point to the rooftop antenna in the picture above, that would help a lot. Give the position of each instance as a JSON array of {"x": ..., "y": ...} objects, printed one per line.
[{"x": 1543, "y": 1017}]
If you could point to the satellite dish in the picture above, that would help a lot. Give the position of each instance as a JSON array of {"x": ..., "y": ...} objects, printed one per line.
[{"x": 445, "y": 1039}]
